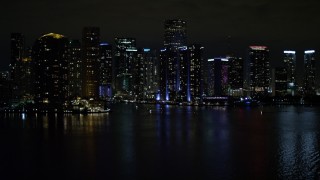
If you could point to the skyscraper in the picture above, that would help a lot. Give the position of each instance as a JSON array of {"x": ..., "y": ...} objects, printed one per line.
[
  {"x": 175, "y": 34},
  {"x": 280, "y": 81},
  {"x": 90, "y": 58},
  {"x": 124, "y": 57},
  {"x": 75, "y": 69},
  {"x": 310, "y": 72},
  {"x": 174, "y": 53},
  {"x": 259, "y": 64},
  {"x": 17, "y": 49},
  {"x": 105, "y": 70},
  {"x": 218, "y": 76},
  {"x": 236, "y": 75},
  {"x": 290, "y": 65},
  {"x": 51, "y": 71}
]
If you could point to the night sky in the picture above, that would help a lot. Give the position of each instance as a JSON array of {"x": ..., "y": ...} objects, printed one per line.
[{"x": 279, "y": 24}]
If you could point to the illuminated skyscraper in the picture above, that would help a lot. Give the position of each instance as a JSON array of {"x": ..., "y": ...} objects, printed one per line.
[
  {"x": 259, "y": 64},
  {"x": 218, "y": 76},
  {"x": 51, "y": 71},
  {"x": 310, "y": 72},
  {"x": 175, "y": 34},
  {"x": 172, "y": 57},
  {"x": 290, "y": 65},
  {"x": 90, "y": 58},
  {"x": 195, "y": 72},
  {"x": 280, "y": 81},
  {"x": 145, "y": 74},
  {"x": 17, "y": 50},
  {"x": 75, "y": 69},
  {"x": 236, "y": 76},
  {"x": 181, "y": 74},
  {"x": 105, "y": 70},
  {"x": 124, "y": 57}
]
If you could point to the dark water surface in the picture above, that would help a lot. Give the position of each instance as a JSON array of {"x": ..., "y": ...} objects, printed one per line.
[{"x": 168, "y": 142}]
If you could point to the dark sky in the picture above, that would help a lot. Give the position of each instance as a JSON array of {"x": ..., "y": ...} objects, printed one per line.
[{"x": 279, "y": 24}]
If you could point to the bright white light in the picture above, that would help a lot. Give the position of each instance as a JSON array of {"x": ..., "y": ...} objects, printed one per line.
[
  {"x": 146, "y": 50},
  {"x": 289, "y": 52},
  {"x": 131, "y": 50},
  {"x": 258, "y": 47},
  {"x": 309, "y": 51},
  {"x": 222, "y": 59}
]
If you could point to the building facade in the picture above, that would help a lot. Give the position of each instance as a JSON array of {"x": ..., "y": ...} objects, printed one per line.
[
  {"x": 51, "y": 71},
  {"x": 90, "y": 62},
  {"x": 259, "y": 73},
  {"x": 309, "y": 72},
  {"x": 290, "y": 65}
]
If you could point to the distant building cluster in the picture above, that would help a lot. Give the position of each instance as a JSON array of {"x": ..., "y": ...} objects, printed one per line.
[{"x": 57, "y": 70}]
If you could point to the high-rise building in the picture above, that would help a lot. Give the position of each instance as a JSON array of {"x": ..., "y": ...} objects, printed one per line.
[
  {"x": 26, "y": 75},
  {"x": 17, "y": 50},
  {"x": 236, "y": 75},
  {"x": 175, "y": 34},
  {"x": 124, "y": 57},
  {"x": 51, "y": 71},
  {"x": 180, "y": 74},
  {"x": 90, "y": 65},
  {"x": 259, "y": 64},
  {"x": 105, "y": 66},
  {"x": 195, "y": 72},
  {"x": 75, "y": 69},
  {"x": 310, "y": 72},
  {"x": 218, "y": 76},
  {"x": 280, "y": 81},
  {"x": 169, "y": 74},
  {"x": 172, "y": 58},
  {"x": 290, "y": 64}
]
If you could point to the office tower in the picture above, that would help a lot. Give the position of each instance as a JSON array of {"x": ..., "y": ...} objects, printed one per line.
[
  {"x": 17, "y": 49},
  {"x": 51, "y": 71},
  {"x": 168, "y": 74},
  {"x": 181, "y": 74},
  {"x": 218, "y": 76},
  {"x": 196, "y": 72},
  {"x": 90, "y": 64},
  {"x": 75, "y": 69},
  {"x": 175, "y": 34},
  {"x": 151, "y": 72},
  {"x": 290, "y": 64},
  {"x": 280, "y": 81},
  {"x": 145, "y": 75},
  {"x": 309, "y": 71},
  {"x": 26, "y": 75},
  {"x": 236, "y": 76},
  {"x": 105, "y": 66},
  {"x": 172, "y": 85},
  {"x": 259, "y": 73},
  {"x": 124, "y": 57}
]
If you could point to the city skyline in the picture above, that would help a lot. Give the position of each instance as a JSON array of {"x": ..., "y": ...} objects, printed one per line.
[{"x": 281, "y": 25}]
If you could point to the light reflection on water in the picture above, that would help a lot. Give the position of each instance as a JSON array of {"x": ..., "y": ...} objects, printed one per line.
[{"x": 157, "y": 141}]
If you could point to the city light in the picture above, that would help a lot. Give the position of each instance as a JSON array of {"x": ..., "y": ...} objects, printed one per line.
[{"x": 309, "y": 51}]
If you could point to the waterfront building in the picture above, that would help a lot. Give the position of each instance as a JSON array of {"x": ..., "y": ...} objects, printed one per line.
[
  {"x": 290, "y": 64},
  {"x": 75, "y": 69},
  {"x": 105, "y": 71},
  {"x": 218, "y": 77},
  {"x": 124, "y": 57},
  {"x": 51, "y": 71},
  {"x": 280, "y": 81},
  {"x": 90, "y": 64},
  {"x": 309, "y": 72},
  {"x": 259, "y": 71},
  {"x": 235, "y": 75}
]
